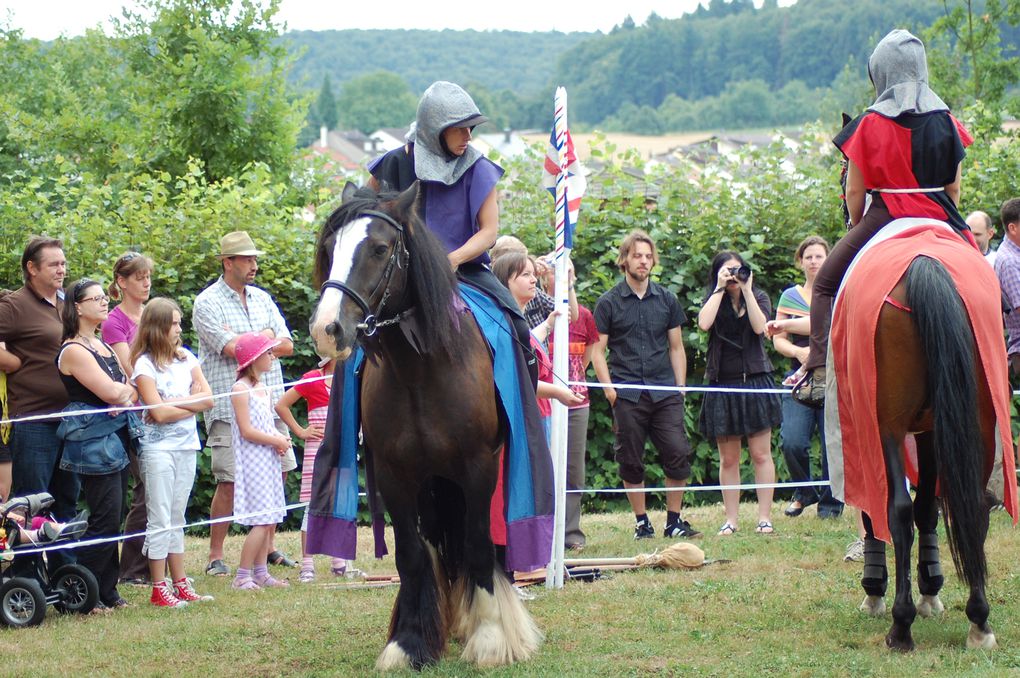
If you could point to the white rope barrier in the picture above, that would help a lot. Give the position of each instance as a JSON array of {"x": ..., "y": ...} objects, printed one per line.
[{"x": 143, "y": 408}]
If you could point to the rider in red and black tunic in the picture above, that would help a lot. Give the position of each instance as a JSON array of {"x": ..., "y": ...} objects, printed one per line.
[{"x": 903, "y": 160}]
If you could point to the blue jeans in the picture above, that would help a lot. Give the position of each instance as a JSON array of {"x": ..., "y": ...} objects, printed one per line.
[
  {"x": 799, "y": 424},
  {"x": 36, "y": 450}
]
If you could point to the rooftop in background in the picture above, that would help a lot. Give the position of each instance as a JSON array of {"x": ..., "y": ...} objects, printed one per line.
[{"x": 646, "y": 146}]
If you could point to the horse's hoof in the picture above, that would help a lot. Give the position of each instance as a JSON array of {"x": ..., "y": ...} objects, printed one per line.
[
  {"x": 873, "y": 606},
  {"x": 393, "y": 658},
  {"x": 930, "y": 605},
  {"x": 900, "y": 644},
  {"x": 980, "y": 640}
]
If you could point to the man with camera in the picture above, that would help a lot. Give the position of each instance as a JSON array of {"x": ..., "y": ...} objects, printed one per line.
[{"x": 640, "y": 322}]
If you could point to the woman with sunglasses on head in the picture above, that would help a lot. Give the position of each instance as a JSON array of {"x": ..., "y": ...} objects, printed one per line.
[
  {"x": 132, "y": 280},
  {"x": 96, "y": 445}
]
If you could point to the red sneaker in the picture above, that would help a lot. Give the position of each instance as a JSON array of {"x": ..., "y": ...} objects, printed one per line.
[
  {"x": 185, "y": 592},
  {"x": 163, "y": 596}
]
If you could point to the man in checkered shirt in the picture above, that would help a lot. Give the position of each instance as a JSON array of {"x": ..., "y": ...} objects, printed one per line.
[{"x": 225, "y": 310}]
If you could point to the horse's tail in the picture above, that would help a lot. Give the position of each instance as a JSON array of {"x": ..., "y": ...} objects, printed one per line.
[{"x": 950, "y": 351}]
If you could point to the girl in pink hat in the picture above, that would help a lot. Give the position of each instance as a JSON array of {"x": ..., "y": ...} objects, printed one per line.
[{"x": 258, "y": 481}]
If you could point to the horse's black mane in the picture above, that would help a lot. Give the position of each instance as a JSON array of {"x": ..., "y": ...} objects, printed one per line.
[{"x": 431, "y": 282}]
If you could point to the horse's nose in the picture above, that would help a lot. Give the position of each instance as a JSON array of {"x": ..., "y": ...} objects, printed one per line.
[{"x": 332, "y": 329}]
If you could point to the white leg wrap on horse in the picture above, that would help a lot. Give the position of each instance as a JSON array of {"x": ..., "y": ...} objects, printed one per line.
[
  {"x": 979, "y": 640},
  {"x": 503, "y": 632},
  {"x": 392, "y": 658},
  {"x": 873, "y": 605},
  {"x": 929, "y": 605}
]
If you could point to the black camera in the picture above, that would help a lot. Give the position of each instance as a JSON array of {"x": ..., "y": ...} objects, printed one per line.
[{"x": 741, "y": 273}]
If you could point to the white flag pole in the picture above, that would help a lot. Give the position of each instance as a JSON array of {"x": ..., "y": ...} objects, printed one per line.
[{"x": 561, "y": 345}]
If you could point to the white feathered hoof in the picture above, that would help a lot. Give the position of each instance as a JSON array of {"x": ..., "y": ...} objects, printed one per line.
[
  {"x": 393, "y": 658},
  {"x": 503, "y": 631},
  {"x": 979, "y": 640},
  {"x": 873, "y": 606},
  {"x": 930, "y": 605}
]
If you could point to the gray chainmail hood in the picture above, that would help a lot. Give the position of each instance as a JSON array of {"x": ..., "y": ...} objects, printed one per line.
[
  {"x": 443, "y": 105},
  {"x": 899, "y": 69}
]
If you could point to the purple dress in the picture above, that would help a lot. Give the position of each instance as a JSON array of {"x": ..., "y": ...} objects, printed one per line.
[{"x": 258, "y": 479}]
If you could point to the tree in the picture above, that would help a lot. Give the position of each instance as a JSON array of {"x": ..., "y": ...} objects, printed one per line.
[
  {"x": 965, "y": 56},
  {"x": 212, "y": 76},
  {"x": 324, "y": 111},
  {"x": 380, "y": 99}
]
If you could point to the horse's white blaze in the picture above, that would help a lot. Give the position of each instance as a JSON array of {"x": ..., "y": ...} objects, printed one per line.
[
  {"x": 500, "y": 629},
  {"x": 347, "y": 242}
]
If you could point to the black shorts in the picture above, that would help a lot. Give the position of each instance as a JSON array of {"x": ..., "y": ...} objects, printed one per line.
[
  {"x": 663, "y": 422},
  {"x": 5, "y": 453}
]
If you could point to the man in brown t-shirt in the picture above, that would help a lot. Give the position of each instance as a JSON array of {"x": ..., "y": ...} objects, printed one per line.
[{"x": 31, "y": 329}]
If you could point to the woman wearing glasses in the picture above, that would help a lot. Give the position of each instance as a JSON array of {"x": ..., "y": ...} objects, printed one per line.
[{"x": 96, "y": 445}]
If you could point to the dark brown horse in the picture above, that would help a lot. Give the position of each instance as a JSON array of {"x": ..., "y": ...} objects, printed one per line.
[
  {"x": 431, "y": 424},
  {"x": 932, "y": 381}
]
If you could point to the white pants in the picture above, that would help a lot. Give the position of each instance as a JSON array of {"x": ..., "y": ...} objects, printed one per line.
[{"x": 169, "y": 476}]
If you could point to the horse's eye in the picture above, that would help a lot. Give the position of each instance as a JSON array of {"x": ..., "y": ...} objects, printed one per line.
[{"x": 380, "y": 251}]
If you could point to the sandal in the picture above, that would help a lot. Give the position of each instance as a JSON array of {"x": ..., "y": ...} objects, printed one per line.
[
  {"x": 269, "y": 581},
  {"x": 245, "y": 584},
  {"x": 280, "y": 558},
  {"x": 217, "y": 568},
  {"x": 306, "y": 576},
  {"x": 764, "y": 527},
  {"x": 727, "y": 529}
]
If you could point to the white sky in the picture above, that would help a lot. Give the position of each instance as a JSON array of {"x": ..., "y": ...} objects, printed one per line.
[{"x": 47, "y": 19}]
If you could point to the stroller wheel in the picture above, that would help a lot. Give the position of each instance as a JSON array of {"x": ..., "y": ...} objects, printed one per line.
[
  {"x": 78, "y": 589},
  {"x": 22, "y": 602}
]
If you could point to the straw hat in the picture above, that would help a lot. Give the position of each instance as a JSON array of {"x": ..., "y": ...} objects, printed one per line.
[
  {"x": 250, "y": 346},
  {"x": 238, "y": 244}
]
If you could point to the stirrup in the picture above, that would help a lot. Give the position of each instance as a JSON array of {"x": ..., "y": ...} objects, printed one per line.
[{"x": 810, "y": 392}]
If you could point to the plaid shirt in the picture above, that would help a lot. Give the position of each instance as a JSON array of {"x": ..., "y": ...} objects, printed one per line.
[
  {"x": 538, "y": 309},
  {"x": 219, "y": 317},
  {"x": 1007, "y": 268}
]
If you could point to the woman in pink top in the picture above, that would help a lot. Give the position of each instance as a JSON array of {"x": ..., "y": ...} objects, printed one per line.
[
  {"x": 132, "y": 279},
  {"x": 132, "y": 274}
]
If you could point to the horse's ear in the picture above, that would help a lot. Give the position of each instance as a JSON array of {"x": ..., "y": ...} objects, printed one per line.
[
  {"x": 846, "y": 120},
  {"x": 349, "y": 190},
  {"x": 407, "y": 203}
]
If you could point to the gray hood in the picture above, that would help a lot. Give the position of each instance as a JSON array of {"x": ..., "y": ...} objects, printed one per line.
[
  {"x": 443, "y": 105},
  {"x": 899, "y": 69}
]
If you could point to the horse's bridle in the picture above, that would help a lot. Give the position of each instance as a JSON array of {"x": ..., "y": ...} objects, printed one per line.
[{"x": 370, "y": 324}]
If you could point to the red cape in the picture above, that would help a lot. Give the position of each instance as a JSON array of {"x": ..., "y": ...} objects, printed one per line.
[{"x": 853, "y": 347}]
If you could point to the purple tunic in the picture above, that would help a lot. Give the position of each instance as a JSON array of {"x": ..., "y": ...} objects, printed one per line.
[{"x": 445, "y": 213}]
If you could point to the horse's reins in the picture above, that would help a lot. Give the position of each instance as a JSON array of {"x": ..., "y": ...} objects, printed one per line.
[{"x": 370, "y": 324}]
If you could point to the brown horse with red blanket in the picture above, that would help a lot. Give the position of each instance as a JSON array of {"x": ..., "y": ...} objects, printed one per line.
[{"x": 917, "y": 348}]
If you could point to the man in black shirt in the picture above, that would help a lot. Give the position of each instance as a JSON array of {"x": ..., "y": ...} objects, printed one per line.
[{"x": 639, "y": 321}]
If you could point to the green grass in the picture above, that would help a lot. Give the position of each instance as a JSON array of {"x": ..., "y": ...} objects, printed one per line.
[{"x": 785, "y": 606}]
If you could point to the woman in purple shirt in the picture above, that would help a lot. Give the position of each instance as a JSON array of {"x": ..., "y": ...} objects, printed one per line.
[{"x": 132, "y": 279}]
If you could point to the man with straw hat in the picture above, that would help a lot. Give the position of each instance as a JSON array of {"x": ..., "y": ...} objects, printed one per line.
[{"x": 230, "y": 307}]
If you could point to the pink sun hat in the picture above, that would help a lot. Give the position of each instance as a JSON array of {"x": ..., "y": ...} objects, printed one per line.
[{"x": 250, "y": 346}]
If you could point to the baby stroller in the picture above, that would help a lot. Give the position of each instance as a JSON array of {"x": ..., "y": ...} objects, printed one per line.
[{"x": 26, "y": 585}]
